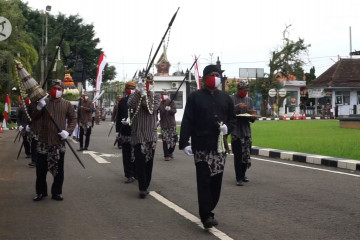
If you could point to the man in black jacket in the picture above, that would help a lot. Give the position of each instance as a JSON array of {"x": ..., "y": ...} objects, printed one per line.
[
  {"x": 209, "y": 115},
  {"x": 123, "y": 132}
]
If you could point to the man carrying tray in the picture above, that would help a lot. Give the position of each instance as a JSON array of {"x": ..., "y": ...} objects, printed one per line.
[{"x": 241, "y": 136}]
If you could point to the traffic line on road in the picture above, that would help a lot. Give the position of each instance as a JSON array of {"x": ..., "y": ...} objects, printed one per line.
[
  {"x": 217, "y": 233},
  {"x": 96, "y": 157},
  {"x": 313, "y": 168}
]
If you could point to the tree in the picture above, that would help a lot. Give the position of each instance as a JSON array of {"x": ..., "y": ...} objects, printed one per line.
[
  {"x": 18, "y": 45},
  {"x": 288, "y": 60}
]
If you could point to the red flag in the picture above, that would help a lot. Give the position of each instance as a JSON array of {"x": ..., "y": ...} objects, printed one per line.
[
  {"x": 197, "y": 76},
  {"x": 99, "y": 75}
]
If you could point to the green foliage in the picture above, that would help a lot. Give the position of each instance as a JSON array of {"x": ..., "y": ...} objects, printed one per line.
[{"x": 231, "y": 86}]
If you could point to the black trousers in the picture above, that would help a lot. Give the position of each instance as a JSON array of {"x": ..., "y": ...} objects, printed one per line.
[
  {"x": 41, "y": 172},
  {"x": 240, "y": 168},
  {"x": 168, "y": 152},
  {"x": 87, "y": 137},
  {"x": 143, "y": 169},
  {"x": 208, "y": 188},
  {"x": 129, "y": 167},
  {"x": 34, "y": 153},
  {"x": 26, "y": 145}
]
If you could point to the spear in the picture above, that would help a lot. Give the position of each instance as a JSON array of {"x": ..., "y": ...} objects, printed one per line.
[
  {"x": 196, "y": 58},
  {"x": 157, "y": 50}
]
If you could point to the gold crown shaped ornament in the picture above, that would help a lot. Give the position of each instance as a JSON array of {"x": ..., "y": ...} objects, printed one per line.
[{"x": 33, "y": 89}]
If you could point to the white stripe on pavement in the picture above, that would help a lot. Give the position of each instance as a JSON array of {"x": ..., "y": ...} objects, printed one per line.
[
  {"x": 313, "y": 168},
  {"x": 217, "y": 233},
  {"x": 96, "y": 157}
]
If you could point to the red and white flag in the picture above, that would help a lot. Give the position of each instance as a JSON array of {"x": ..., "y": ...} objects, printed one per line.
[
  {"x": 7, "y": 108},
  {"x": 196, "y": 73},
  {"x": 99, "y": 75}
]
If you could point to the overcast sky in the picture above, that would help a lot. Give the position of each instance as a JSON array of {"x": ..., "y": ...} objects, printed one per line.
[{"x": 242, "y": 33}]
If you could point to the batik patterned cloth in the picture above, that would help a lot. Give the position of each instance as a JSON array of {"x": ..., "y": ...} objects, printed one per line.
[
  {"x": 215, "y": 160},
  {"x": 169, "y": 135},
  {"x": 147, "y": 149},
  {"x": 246, "y": 144},
  {"x": 53, "y": 155}
]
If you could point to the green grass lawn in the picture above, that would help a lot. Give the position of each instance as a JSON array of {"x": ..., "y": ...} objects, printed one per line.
[{"x": 322, "y": 137}]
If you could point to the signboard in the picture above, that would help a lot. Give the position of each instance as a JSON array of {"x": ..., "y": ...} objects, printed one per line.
[
  {"x": 251, "y": 72},
  {"x": 272, "y": 92},
  {"x": 5, "y": 28},
  {"x": 282, "y": 92},
  {"x": 295, "y": 83},
  {"x": 316, "y": 92}
]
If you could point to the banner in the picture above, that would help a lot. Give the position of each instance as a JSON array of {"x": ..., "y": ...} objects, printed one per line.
[
  {"x": 99, "y": 75},
  {"x": 197, "y": 76},
  {"x": 316, "y": 92}
]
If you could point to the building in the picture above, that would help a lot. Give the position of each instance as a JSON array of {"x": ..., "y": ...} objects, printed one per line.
[
  {"x": 174, "y": 84},
  {"x": 341, "y": 84}
]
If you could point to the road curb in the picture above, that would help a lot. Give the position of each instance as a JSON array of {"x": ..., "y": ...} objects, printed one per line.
[{"x": 307, "y": 158}]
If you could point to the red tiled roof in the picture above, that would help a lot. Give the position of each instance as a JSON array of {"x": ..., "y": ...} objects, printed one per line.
[{"x": 344, "y": 73}]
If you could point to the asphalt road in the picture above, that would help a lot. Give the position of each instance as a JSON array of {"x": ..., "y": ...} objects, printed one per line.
[{"x": 283, "y": 200}]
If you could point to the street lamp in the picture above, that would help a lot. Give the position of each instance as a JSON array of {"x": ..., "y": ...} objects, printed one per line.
[{"x": 44, "y": 41}]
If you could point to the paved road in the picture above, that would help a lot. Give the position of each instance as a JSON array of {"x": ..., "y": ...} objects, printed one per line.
[{"x": 283, "y": 200}]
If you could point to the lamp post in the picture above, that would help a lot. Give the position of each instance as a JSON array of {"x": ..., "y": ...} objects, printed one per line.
[{"x": 44, "y": 41}]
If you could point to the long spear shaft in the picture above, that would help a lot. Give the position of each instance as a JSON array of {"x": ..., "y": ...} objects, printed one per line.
[
  {"x": 172, "y": 99},
  {"x": 22, "y": 144},
  {"x": 147, "y": 64},
  {"x": 157, "y": 50},
  {"x": 57, "y": 127},
  {"x": 17, "y": 135},
  {"x": 53, "y": 61}
]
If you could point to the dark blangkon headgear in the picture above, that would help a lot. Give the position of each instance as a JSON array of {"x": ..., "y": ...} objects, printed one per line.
[{"x": 209, "y": 69}]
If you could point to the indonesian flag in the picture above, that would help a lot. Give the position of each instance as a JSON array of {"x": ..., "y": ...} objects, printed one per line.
[
  {"x": 197, "y": 76},
  {"x": 7, "y": 109},
  {"x": 99, "y": 75}
]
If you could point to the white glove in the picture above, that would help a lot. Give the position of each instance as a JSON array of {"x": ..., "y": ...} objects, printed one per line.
[
  {"x": 21, "y": 128},
  {"x": 141, "y": 88},
  {"x": 124, "y": 122},
  {"x": 223, "y": 128},
  {"x": 188, "y": 151},
  {"x": 167, "y": 108},
  {"x": 63, "y": 134},
  {"x": 27, "y": 128},
  {"x": 112, "y": 124},
  {"x": 116, "y": 134},
  {"x": 41, "y": 104}
]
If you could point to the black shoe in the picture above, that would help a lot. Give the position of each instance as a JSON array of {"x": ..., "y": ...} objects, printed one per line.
[
  {"x": 143, "y": 194},
  {"x": 32, "y": 164},
  {"x": 130, "y": 180},
  {"x": 80, "y": 149},
  {"x": 239, "y": 183},
  {"x": 57, "y": 197},
  {"x": 245, "y": 179},
  {"x": 28, "y": 156},
  {"x": 208, "y": 223},
  {"x": 85, "y": 148},
  {"x": 214, "y": 222},
  {"x": 39, "y": 197}
]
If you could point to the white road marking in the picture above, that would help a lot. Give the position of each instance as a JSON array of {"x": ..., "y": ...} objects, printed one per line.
[
  {"x": 96, "y": 157},
  {"x": 300, "y": 166},
  {"x": 217, "y": 233}
]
